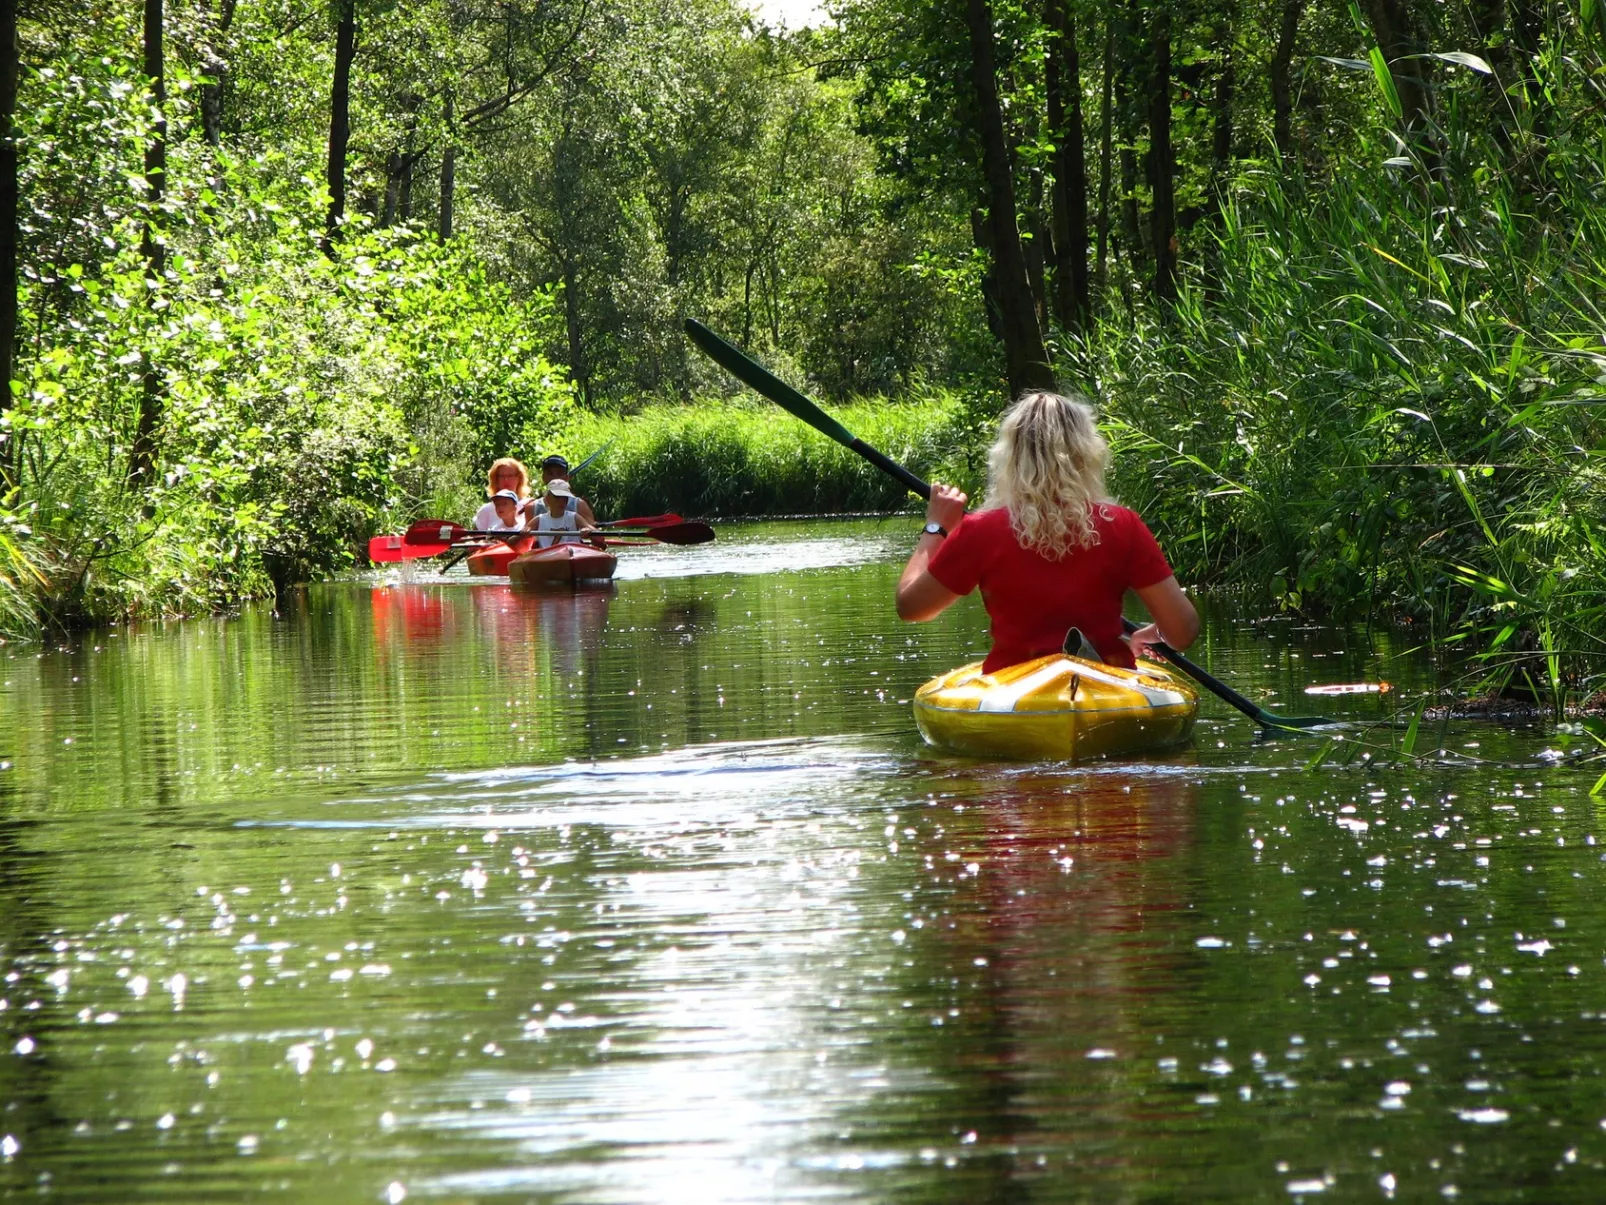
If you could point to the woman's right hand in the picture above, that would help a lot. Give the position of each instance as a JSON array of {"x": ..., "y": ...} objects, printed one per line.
[{"x": 946, "y": 507}]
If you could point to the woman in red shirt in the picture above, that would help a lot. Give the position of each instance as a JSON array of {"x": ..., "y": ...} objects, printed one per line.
[{"x": 1052, "y": 553}]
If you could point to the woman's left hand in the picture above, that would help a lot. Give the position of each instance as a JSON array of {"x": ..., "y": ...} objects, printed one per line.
[{"x": 1144, "y": 639}]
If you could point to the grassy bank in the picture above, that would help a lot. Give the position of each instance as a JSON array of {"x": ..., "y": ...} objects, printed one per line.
[{"x": 734, "y": 457}]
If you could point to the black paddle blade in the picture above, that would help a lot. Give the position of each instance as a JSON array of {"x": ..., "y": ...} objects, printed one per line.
[
  {"x": 751, "y": 373},
  {"x": 766, "y": 384},
  {"x": 1268, "y": 720}
]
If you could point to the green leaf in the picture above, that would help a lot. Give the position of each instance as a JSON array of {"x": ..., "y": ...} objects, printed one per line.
[
  {"x": 1462, "y": 59},
  {"x": 1385, "y": 82},
  {"x": 1408, "y": 745}
]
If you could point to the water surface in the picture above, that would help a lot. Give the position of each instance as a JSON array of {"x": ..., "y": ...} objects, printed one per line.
[{"x": 430, "y": 890}]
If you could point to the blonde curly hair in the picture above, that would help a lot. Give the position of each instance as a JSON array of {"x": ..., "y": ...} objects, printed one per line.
[{"x": 1047, "y": 470}]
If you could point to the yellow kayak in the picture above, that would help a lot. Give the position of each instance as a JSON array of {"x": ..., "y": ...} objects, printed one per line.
[{"x": 1056, "y": 708}]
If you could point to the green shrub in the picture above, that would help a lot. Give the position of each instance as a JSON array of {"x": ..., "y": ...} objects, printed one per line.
[{"x": 304, "y": 402}]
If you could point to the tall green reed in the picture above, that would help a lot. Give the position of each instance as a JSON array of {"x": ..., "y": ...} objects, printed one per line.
[
  {"x": 1392, "y": 395},
  {"x": 740, "y": 457}
]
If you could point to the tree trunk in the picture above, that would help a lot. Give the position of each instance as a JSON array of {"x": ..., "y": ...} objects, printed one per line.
[
  {"x": 1396, "y": 38},
  {"x": 340, "y": 121},
  {"x": 1037, "y": 245},
  {"x": 142, "y": 456},
  {"x": 1025, "y": 359},
  {"x": 982, "y": 232},
  {"x": 216, "y": 66},
  {"x": 409, "y": 158},
  {"x": 409, "y": 161},
  {"x": 1063, "y": 79},
  {"x": 8, "y": 234},
  {"x": 1282, "y": 91},
  {"x": 1131, "y": 228},
  {"x": 1162, "y": 163},
  {"x": 448, "y": 171},
  {"x": 1106, "y": 162},
  {"x": 674, "y": 231},
  {"x": 1226, "y": 87},
  {"x": 393, "y": 174}
]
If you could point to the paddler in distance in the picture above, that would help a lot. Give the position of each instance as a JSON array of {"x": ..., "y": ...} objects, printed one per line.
[
  {"x": 559, "y": 513},
  {"x": 1052, "y": 551},
  {"x": 556, "y": 468},
  {"x": 505, "y": 474}
]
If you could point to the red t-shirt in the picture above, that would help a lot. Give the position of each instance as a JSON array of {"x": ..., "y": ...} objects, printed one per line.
[{"x": 1033, "y": 600}]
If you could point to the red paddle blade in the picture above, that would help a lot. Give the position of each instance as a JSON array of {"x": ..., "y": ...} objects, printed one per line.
[
  {"x": 646, "y": 521},
  {"x": 384, "y": 550},
  {"x": 678, "y": 533},
  {"x": 435, "y": 531}
]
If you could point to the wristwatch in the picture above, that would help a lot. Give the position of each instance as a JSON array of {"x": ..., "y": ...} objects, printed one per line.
[{"x": 936, "y": 529}]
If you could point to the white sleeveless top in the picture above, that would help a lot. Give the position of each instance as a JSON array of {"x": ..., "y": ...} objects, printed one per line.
[{"x": 570, "y": 521}]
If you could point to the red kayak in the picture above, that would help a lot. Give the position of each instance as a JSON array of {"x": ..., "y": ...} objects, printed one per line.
[
  {"x": 561, "y": 567},
  {"x": 493, "y": 559}
]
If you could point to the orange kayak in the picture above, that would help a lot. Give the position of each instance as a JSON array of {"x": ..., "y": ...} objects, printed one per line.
[
  {"x": 493, "y": 559},
  {"x": 561, "y": 567}
]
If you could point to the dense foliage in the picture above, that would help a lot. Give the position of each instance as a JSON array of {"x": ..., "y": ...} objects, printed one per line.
[{"x": 288, "y": 274}]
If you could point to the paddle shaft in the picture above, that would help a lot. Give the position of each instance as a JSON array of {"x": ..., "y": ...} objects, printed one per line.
[
  {"x": 575, "y": 472},
  {"x": 439, "y": 534},
  {"x": 766, "y": 384}
]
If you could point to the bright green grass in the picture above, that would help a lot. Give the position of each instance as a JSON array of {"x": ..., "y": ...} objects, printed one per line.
[{"x": 735, "y": 457}]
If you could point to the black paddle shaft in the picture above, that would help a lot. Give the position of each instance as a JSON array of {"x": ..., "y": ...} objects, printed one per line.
[
  {"x": 1224, "y": 692},
  {"x": 891, "y": 467}
]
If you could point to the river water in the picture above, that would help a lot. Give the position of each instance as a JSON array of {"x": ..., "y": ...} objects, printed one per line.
[{"x": 435, "y": 891}]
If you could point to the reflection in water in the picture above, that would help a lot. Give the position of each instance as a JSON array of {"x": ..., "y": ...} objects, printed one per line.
[{"x": 652, "y": 894}]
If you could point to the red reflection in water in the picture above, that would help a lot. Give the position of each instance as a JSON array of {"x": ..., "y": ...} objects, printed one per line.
[{"x": 418, "y": 611}]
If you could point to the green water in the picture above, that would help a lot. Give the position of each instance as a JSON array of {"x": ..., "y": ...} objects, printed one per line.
[{"x": 433, "y": 891}]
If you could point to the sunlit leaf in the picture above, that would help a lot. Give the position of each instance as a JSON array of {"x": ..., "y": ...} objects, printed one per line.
[
  {"x": 1463, "y": 59},
  {"x": 1385, "y": 82}
]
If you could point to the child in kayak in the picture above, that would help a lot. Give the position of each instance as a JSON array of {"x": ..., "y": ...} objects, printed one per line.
[
  {"x": 559, "y": 513},
  {"x": 1052, "y": 552},
  {"x": 507, "y": 518}
]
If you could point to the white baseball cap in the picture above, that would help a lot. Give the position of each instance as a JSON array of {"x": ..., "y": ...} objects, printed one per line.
[
  {"x": 560, "y": 487},
  {"x": 508, "y": 494}
]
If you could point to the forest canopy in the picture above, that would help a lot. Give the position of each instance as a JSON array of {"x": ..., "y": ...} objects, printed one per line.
[{"x": 288, "y": 273}]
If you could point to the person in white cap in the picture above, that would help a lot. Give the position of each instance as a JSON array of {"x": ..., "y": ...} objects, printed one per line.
[
  {"x": 560, "y": 514},
  {"x": 506, "y": 518}
]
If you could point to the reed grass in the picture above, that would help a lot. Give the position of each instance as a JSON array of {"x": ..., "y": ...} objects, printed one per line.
[
  {"x": 1390, "y": 397},
  {"x": 721, "y": 457}
]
